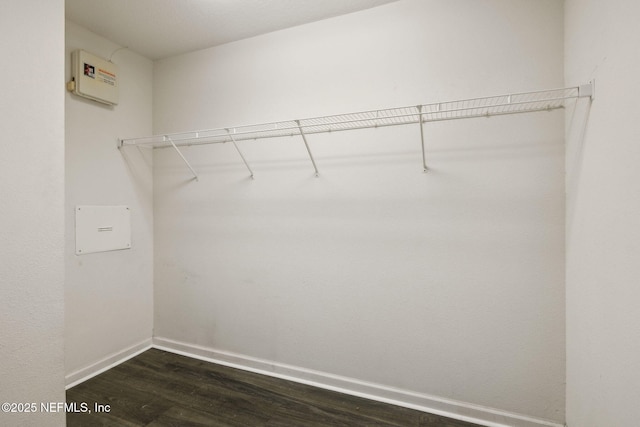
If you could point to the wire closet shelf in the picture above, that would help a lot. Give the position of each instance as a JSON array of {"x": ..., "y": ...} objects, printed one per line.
[{"x": 525, "y": 102}]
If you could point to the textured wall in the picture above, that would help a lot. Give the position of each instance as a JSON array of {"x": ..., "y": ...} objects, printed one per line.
[
  {"x": 109, "y": 295},
  {"x": 449, "y": 283},
  {"x": 603, "y": 225},
  {"x": 32, "y": 208}
]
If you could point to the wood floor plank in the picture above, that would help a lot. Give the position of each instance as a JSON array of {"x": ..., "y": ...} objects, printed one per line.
[
  {"x": 430, "y": 420},
  {"x": 186, "y": 417},
  {"x": 161, "y": 389}
]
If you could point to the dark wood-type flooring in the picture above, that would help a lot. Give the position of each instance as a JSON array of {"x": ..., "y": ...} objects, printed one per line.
[{"x": 158, "y": 388}]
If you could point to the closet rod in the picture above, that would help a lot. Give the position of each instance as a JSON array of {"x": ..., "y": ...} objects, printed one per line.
[{"x": 514, "y": 103}]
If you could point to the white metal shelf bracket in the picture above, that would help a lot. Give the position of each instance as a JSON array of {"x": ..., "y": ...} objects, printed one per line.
[
  {"x": 306, "y": 144},
  {"x": 424, "y": 156},
  {"x": 186, "y": 162},
  {"x": 240, "y": 153}
]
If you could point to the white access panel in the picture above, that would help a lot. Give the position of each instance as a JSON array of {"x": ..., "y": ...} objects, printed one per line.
[
  {"x": 102, "y": 228},
  {"x": 94, "y": 77}
]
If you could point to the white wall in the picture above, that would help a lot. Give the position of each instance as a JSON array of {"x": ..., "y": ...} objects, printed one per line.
[
  {"x": 449, "y": 283},
  {"x": 109, "y": 295},
  {"x": 603, "y": 224},
  {"x": 31, "y": 208}
]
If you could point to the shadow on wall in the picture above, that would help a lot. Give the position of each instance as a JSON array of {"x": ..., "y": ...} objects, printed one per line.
[{"x": 575, "y": 146}]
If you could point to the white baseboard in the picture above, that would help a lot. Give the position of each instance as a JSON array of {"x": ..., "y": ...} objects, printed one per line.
[
  {"x": 81, "y": 375},
  {"x": 446, "y": 407}
]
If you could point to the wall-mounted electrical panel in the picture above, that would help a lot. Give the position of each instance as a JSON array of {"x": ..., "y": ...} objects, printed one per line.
[
  {"x": 94, "y": 77},
  {"x": 102, "y": 228}
]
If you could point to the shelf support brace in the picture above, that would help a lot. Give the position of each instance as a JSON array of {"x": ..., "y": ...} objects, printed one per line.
[
  {"x": 240, "y": 153},
  {"x": 304, "y": 138},
  {"x": 195, "y": 175},
  {"x": 424, "y": 157}
]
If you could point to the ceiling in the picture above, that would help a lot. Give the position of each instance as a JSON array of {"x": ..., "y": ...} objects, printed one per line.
[{"x": 162, "y": 28}]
